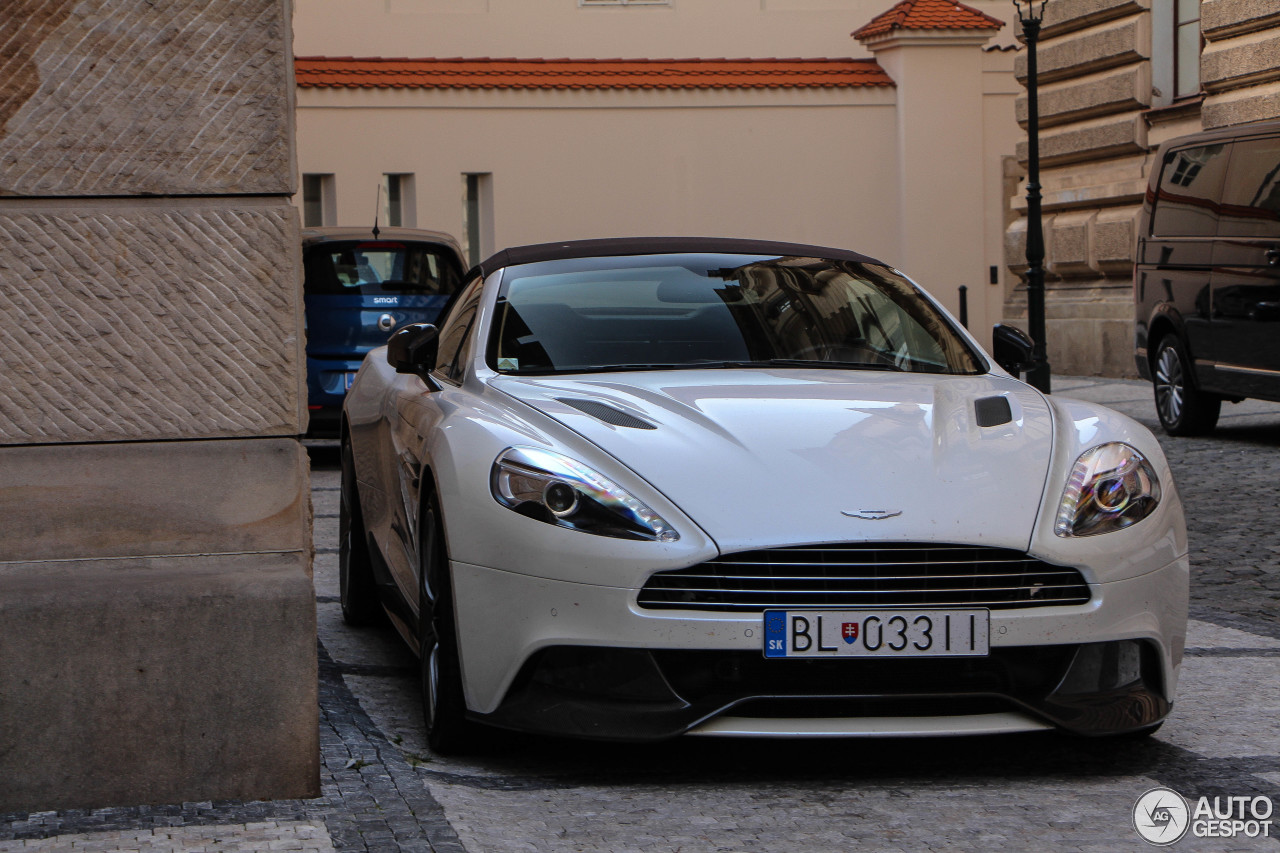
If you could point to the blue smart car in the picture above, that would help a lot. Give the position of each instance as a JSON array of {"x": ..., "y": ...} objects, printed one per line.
[{"x": 358, "y": 289}]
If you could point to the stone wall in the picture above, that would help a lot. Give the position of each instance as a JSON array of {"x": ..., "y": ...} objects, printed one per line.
[
  {"x": 1101, "y": 120},
  {"x": 157, "y": 627}
]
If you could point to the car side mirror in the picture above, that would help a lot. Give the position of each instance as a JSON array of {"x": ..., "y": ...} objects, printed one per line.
[
  {"x": 413, "y": 348},
  {"x": 1012, "y": 348}
]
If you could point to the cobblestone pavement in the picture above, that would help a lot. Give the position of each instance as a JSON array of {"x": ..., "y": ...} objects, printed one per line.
[{"x": 384, "y": 790}]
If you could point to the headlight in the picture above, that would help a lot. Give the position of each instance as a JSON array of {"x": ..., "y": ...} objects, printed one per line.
[
  {"x": 556, "y": 489},
  {"x": 1112, "y": 486}
]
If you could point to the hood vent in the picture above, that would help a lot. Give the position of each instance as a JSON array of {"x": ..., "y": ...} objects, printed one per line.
[
  {"x": 606, "y": 413},
  {"x": 992, "y": 411}
]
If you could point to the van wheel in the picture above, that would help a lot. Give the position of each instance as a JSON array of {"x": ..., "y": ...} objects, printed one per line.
[
  {"x": 1183, "y": 409},
  {"x": 357, "y": 589}
]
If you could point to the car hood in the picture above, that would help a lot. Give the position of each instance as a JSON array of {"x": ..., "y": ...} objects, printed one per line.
[{"x": 760, "y": 458}]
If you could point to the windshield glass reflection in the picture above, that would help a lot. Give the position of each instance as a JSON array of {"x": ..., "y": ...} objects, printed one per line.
[{"x": 711, "y": 310}]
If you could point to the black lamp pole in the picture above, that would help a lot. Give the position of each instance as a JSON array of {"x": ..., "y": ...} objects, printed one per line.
[{"x": 1038, "y": 373}]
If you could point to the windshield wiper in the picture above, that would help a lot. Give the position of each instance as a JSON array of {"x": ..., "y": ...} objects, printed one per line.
[
  {"x": 684, "y": 365},
  {"x": 613, "y": 368},
  {"x": 709, "y": 364},
  {"x": 810, "y": 362}
]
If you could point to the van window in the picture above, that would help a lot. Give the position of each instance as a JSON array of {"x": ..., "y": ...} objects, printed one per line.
[
  {"x": 374, "y": 267},
  {"x": 1251, "y": 197},
  {"x": 1187, "y": 202}
]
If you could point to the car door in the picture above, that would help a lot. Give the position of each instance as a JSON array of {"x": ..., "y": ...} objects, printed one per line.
[
  {"x": 1176, "y": 257},
  {"x": 413, "y": 412},
  {"x": 1246, "y": 276}
]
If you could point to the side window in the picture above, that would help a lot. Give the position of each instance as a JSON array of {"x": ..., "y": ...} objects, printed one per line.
[
  {"x": 1189, "y": 196},
  {"x": 1251, "y": 197},
  {"x": 453, "y": 331}
]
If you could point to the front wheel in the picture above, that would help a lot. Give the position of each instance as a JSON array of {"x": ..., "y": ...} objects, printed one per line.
[
  {"x": 443, "y": 708},
  {"x": 357, "y": 588},
  {"x": 1182, "y": 408}
]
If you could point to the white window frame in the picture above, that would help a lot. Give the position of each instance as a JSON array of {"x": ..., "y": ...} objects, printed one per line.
[
  {"x": 1165, "y": 25},
  {"x": 328, "y": 202},
  {"x": 477, "y": 216},
  {"x": 403, "y": 214}
]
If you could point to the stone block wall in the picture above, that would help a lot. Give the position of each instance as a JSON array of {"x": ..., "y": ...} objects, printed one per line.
[
  {"x": 1100, "y": 123},
  {"x": 1241, "y": 61},
  {"x": 157, "y": 625}
]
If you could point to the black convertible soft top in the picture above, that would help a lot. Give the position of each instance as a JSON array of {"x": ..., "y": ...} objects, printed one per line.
[{"x": 661, "y": 246}]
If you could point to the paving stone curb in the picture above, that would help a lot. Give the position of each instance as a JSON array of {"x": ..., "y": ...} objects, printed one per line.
[{"x": 379, "y": 802}]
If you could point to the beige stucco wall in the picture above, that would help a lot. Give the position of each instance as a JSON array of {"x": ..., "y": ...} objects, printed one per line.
[
  {"x": 912, "y": 174},
  {"x": 565, "y": 28},
  {"x": 823, "y": 167},
  {"x": 953, "y": 124},
  {"x": 999, "y": 171},
  {"x": 799, "y": 166}
]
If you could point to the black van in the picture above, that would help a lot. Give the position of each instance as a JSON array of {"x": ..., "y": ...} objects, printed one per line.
[{"x": 1207, "y": 277}]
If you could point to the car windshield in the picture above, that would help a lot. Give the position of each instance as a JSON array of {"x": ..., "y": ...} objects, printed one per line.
[
  {"x": 668, "y": 312},
  {"x": 374, "y": 267}
]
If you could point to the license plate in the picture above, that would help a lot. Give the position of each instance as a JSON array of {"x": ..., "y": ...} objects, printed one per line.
[
  {"x": 876, "y": 633},
  {"x": 347, "y": 379}
]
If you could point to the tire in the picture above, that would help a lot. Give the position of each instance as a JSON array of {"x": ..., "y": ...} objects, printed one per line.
[
  {"x": 1182, "y": 408},
  {"x": 358, "y": 591},
  {"x": 443, "y": 708}
]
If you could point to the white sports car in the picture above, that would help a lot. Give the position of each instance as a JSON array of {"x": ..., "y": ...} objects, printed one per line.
[{"x": 633, "y": 489}]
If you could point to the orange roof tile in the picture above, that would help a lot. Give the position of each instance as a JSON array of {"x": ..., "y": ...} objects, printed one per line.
[
  {"x": 380, "y": 73},
  {"x": 928, "y": 15}
]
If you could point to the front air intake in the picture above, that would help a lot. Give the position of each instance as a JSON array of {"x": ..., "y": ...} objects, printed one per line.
[{"x": 866, "y": 575}]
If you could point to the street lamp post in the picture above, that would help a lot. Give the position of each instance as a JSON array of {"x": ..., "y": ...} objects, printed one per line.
[{"x": 1038, "y": 373}]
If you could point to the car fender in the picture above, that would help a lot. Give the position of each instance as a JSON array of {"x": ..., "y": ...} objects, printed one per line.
[
  {"x": 1150, "y": 544},
  {"x": 476, "y": 424}
]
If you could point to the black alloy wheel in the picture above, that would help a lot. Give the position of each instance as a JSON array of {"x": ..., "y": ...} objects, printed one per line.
[
  {"x": 358, "y": 591},
  {"x": 443, "y": 708},
  {"x": 1183, "y": 409}
]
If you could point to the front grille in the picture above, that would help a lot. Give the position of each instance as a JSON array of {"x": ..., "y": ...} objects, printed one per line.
[{"x": 866, "y": 575}]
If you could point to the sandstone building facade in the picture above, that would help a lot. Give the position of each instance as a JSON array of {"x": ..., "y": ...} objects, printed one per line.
[
  {"x": 157, "y": 617},
  {"x": 1117, "y": 78}
]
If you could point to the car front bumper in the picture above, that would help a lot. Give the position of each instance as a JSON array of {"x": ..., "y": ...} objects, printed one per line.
[{"x": 587, "y": 661}]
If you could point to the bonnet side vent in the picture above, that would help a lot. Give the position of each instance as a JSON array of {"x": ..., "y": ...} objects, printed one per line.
[
  {"x": 992, "y": 411},
  {"x": 606, "y": 413}
]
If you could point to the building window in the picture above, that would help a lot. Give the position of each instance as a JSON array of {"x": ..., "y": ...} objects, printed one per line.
[
  {"x": 318, "y": 204},
  {"x": 1175, "y": 54},
  {"x": 1186, "y": 49},
  {"x": 477, "y": 216},
  {"x": 398, "y": 207}
]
